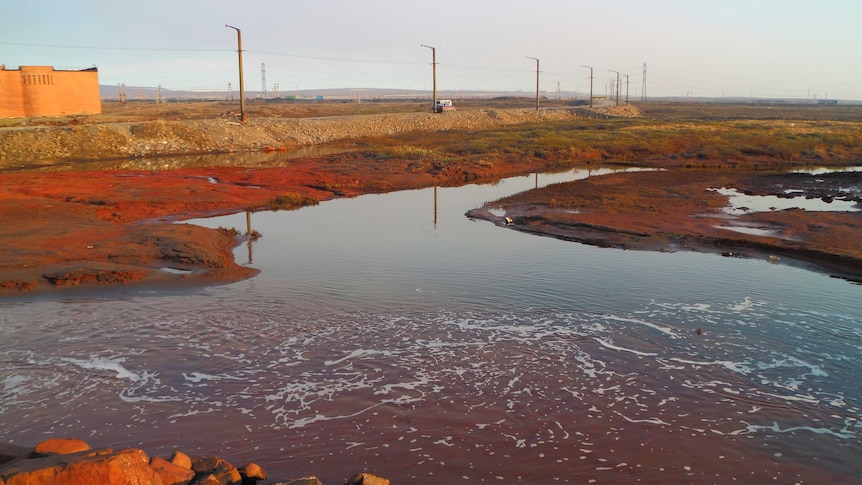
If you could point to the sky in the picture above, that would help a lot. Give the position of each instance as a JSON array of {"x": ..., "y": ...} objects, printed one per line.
[{"x": 803, "y": 49}]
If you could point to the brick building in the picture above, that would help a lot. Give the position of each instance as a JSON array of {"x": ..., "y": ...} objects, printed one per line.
[{"x": 45, "y": 91}]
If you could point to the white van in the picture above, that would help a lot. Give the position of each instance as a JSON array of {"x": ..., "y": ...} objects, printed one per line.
[{"x": 444, "y": 105}]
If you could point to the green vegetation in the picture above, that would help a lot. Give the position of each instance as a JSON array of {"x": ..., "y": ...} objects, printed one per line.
[
  {"x": 289, "y": 201},
  {"x": 638, "y": 141}
]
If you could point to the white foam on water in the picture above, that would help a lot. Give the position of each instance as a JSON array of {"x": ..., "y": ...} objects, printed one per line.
[
  {"x": 111, "y": 365},
  {"x": 611, "y": 346},
  {"x": 661, "y": 328}
]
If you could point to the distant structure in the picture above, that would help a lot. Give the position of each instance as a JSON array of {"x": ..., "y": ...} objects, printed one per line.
[{"x": 45, "y": 91}]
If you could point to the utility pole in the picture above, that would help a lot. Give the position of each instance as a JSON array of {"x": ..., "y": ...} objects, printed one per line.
[
  {"x": 627, "y": 88},
  {"x": 537, "y": 80},
  {"x": 263, "y": 80},
  {"x": 434, "y": 74},
  {"x": 241, "y": 86},
  {"x": 617, "y": 85},
  {"x": 643, "y": 88},
  {"x": 591, "y": 84}
]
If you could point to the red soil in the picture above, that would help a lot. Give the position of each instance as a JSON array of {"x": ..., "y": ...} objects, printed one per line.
[{"x": 110, "y": 227}]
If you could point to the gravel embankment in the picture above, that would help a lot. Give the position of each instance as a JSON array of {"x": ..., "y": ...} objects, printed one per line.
[{"x": 35, "y": 145}]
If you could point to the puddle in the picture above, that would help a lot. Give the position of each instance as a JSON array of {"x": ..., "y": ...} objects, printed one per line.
[{"x": 745, "y": 204}]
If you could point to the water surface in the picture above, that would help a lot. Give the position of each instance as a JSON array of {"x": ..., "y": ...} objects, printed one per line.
[{"x": 393, "y": 334}]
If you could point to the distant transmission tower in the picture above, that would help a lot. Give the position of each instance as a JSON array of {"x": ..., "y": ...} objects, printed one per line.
[
  {"x": 643, "y": 88},
  {"x": 263, "y": 80},
  {"x": 558, "y": 89}
]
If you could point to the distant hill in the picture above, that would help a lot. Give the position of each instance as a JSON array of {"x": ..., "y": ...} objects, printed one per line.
[{"x": 151, "y": 93}]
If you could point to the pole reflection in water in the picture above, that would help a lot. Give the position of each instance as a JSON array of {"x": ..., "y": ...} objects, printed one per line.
[
  {"x": 435, "y": 207},
  {"x": 249, "y": 235}
]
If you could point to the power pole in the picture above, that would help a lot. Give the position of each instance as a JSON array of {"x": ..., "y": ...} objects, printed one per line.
[
  {"x": 643, "y": 87},
  {"x": 434, "y": 75},
  {"x": 241, "y": 86},
  {"x": 591, "y": 84},
  {"x": 537, "y": 80},
  {"x": 627, "y": 88},
  {"x": 617, "y": 85},
  {"x": 263, "y": 80}
]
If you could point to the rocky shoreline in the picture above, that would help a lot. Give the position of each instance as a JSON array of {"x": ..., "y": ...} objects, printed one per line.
[{"x": 66, "y": 461}]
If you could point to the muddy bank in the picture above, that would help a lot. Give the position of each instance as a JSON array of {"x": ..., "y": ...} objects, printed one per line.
[
  {"x": 680, "y": 210},
  {"x": 71, "y": 228}
]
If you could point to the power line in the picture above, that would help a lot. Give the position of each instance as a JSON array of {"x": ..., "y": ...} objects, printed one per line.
[
  {"x": 315, "y": 58},
  {"x": 93, "y": 47}
]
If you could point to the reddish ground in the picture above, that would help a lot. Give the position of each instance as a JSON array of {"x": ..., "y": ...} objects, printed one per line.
[
  {"x": 109, "y": 227},
  {"x": 675, "y": 210}
]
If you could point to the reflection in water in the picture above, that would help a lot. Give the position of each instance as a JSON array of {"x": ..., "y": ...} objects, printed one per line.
[
  {"x": 740, "y": 203},
  {"x": 451, "y": 350}
]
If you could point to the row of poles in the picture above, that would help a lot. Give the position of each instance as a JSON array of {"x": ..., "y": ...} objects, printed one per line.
[{"x": 434, "y": 73}]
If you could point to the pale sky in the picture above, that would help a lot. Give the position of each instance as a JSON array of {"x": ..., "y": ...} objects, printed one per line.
[{"x": 760, "y": 48}]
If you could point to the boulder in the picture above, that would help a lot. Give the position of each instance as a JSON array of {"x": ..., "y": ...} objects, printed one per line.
[
  {"x": 366, "y": 479},
  {"x": 61, "y": 446},
  {"x": 251, "y": 473},
  {"x": 171, "y": 473},
  {"x": 85, "y": 468},
  {"x": 206, "y": 479},
  {"x": 224, "y": 472},
  {"x": 181, "y": 459}
]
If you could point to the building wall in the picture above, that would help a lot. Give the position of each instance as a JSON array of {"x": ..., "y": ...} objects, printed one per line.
[{"x": 44, "y": 91}]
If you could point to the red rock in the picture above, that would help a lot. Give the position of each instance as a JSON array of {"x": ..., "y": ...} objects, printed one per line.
[
  {"x": 61, "y": 446},
  {"x": 86, "y": 468},
  {"x": 366, "y": 479},
  {"x": 181, "y": 459},
  {"x": 170, "y": 473},
  {"x": 207, "y": 480},
  {"x": 252, "y": 471},
  {"x": 224, "y": 472}
]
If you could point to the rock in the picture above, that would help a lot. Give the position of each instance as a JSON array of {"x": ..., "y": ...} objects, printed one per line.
[
  {"x": 251, "y": 473},
  {"x": 85, "y": 468},
  {"x": 181, "y": 459},
  {"x": 207, "y": 479},
  {"x": 224, "y": 472},
  {"x": 61, "y": 446},
  {"x": 171, "y": 473},
  {"x": 366, "y": 479}
]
